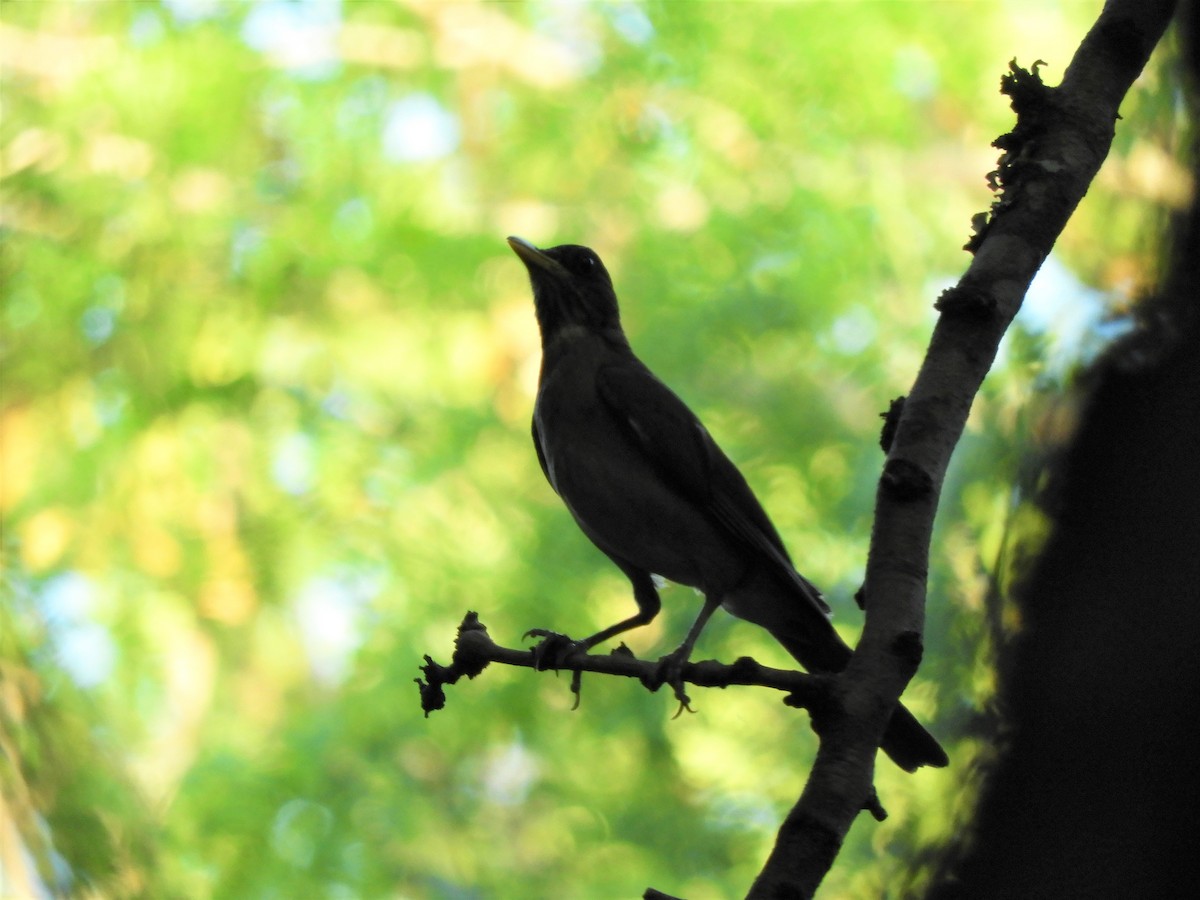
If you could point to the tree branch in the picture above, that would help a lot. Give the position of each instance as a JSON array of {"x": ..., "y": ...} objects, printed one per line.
[
  {"x": 1061, "y": 138},
  {"x": 474, "y": 650}
]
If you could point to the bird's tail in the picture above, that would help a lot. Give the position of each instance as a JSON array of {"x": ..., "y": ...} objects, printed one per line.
[
  {"x": 905, "y": 740},
  {"x": 810, "y": 637}
]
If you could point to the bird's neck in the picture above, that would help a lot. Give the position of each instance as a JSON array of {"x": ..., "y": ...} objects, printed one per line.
[{"x": 562, "y": 339}]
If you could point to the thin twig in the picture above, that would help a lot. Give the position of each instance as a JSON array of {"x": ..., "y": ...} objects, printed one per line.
[{"x": 474, "y": 650}]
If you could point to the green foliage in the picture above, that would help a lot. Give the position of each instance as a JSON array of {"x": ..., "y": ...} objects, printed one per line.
[{"x": 268, "y": 367}]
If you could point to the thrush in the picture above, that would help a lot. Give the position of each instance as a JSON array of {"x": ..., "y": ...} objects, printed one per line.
[{"x": 648, "y": 485}]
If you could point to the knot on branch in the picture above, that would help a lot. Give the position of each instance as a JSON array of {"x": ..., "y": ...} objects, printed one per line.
[
  {"x": 905, "y": 481},
  {"x": 891, "y": 421},
  {"x": 1025, "y": 87},
  {"x": 819, "y": 696},
  {"x": 910, "y": 648},
  {"x": 1033, "y": 102},
  {"x": 470, "y": 658},
  {"x": 966, "y": 302},
  {"x": 874, "y": 807}
]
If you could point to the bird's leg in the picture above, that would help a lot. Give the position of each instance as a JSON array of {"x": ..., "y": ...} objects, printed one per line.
[
  {"x": 646, "y": 596},
  {"x": 634, "y": 621},
  {"x": 555, "y": 650},
  {"x": 670, "y": 667}
]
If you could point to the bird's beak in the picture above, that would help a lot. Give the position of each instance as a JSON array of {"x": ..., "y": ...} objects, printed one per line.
[{"x": 534, "y": 258}]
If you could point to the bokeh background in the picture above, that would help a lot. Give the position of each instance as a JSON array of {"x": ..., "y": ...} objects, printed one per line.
[{"x": 268, "y": 367}]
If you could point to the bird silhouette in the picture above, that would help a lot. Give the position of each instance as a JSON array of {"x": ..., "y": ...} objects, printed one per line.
[{"x": 648, "y": 485}]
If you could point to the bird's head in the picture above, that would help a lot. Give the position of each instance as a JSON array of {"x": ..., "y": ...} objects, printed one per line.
[{"x": 572, "y": 290}]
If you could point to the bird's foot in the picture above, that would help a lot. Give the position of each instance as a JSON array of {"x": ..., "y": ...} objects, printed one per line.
[
  {"x": 554, "y": 650},
  {"x": 669, "y": 670}
]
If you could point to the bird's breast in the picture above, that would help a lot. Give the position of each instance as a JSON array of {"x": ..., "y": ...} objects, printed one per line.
[{"x": 616, "y": 495}]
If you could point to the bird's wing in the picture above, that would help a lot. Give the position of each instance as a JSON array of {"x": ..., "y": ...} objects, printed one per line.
[{"x": 680, "y": 449}]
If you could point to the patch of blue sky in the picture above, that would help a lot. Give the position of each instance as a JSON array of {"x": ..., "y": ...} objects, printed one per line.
[
  {"x": 630, "y": 22},
  {"x": 83, "y": 646},
  {"x": 329, "y": 611},
  {"x": 572, "y": 26},
  {"x": 188, "y": 12},
  {"x": 294, "y": 463},
  {"x": 146, "y": 28},
  {"x": 300, "y": 35},
  {"x": 1071, "y": 317},
  {"x": 418, "y": 128}
]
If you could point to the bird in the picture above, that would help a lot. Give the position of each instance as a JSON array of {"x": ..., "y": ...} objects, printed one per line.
[{"x": 647, "y": 484}]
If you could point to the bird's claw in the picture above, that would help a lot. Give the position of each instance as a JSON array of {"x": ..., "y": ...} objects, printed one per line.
[
  {"x": 554, "y": 650},
  {"x": 669, "y": 670}
]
